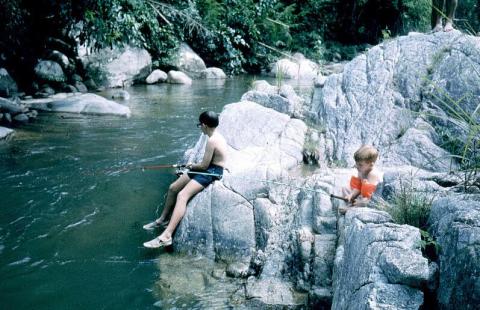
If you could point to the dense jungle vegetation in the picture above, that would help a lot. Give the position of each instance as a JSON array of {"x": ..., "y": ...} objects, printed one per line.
[{"x": 236, "y": 35}]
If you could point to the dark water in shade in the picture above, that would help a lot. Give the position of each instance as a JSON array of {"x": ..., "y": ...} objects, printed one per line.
[{"x": 71, "y": 221}]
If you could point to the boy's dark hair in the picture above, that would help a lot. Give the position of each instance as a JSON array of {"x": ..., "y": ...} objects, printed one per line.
[{"x": 209, "y": 118}]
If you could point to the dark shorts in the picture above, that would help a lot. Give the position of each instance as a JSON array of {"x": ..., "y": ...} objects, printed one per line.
[{"x": 205, "y": 180}]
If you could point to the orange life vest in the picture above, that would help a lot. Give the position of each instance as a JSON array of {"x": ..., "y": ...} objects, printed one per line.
[{"x": 366, "y": 189}]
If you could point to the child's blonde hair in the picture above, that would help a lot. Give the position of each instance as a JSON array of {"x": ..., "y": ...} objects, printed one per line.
[{"x": 366, "y": 153}]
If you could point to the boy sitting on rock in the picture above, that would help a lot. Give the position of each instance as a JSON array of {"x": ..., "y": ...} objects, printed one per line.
[
  {"x": 189, "y": 184},
  {"x": 362, "y": 186}
]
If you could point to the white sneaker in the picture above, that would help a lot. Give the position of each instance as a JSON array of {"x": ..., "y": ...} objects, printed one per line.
[{"x": 157, "y": 243}]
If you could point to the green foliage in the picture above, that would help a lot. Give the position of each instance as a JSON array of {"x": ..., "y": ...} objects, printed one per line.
[
  {"x": 279, "y": 77},
  {"x": 24, "y": 30},
  {"x": 237, "y": 35},
  {"x": 467, "y": 16},
  {"x": 135, "y": 22},
  {"x": 410, "y": 206},
  {"x": 457, "y": 124},
  {"x": 317, "y": 25},
  {"x": 239, "y": 31},
  {"x": 415, "y": 15},
  {"x": 429, "y": 245}
]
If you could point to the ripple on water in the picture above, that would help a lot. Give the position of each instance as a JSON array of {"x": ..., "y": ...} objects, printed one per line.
[
  {"x": 21, "y": 262},
  {"x": 85, "y": 220}
]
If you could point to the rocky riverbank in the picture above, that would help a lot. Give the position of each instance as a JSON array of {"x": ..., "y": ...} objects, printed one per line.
[
  {"x": 61, "y": 82},
  {"x": 281, "y": 232},
  {"x": 278, "y": 231}
]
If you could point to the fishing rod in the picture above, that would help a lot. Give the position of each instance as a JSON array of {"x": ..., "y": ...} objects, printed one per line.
[
  {"x": 274, "y": 182},
  {"x": 143, "y": 168},
  {"x": 219, "y": 176},
  {"x": 339, "y": 197},
  {"x": 157, "y": 167}
]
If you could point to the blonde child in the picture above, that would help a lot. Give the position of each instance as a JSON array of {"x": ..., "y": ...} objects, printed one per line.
[{"x": 363, "y": 185}]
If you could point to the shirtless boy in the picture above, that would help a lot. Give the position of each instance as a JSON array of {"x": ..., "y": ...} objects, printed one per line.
[{"x": 188, "y": 185}]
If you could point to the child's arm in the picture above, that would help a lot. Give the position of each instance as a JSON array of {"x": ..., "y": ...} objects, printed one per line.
[
  {"x": 207, "y": 158},
  {"x": 354, "y": 195}
]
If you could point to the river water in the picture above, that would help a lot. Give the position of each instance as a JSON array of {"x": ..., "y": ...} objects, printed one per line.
[{"x": 71, "y": 219}]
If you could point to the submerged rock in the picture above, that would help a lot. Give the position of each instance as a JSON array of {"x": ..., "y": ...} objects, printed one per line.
[
  {"x": 79, "y": 103},
  {"x": 21, "y": 118},
  {"x": 273, "y": 294},
  {"x": 214, "y": 73},
  {"x": 177, "y": 77},
  {"x": 120, "y": 94}
]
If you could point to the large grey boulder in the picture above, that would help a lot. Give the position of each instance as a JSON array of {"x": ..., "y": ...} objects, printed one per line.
[
  {"x": 455, "y": 222},
  {"x": 258, "y": 137},
  {"x": 5, "y": 132},
  {"x": 118, "y": 66},
  {"x": 381, "y": 95},
  {"x": 378, "y": 264},
  {"x": 49, "y": 71},
  {"x": 8, "y": 86},
  {"x": 186, "y": 60},
  {"x": 210, "y": 229},
  {"x": 79, "y": 103},
  {"x": 220, "y": 220}
]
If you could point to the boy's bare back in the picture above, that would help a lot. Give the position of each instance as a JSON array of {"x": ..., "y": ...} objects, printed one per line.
[{"x": 219, "y": 145}]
